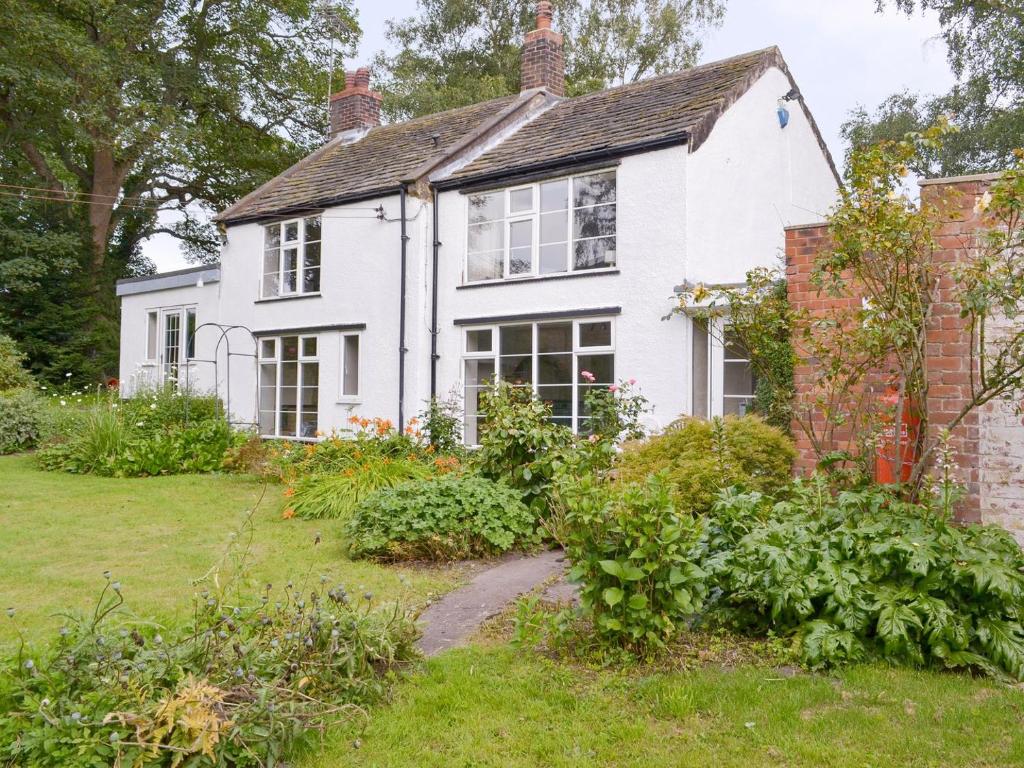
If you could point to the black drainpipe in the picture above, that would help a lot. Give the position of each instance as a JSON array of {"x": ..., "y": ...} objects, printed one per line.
[
  {"x": 401, "y": 317},
  {"x": 433, "y": 305}
]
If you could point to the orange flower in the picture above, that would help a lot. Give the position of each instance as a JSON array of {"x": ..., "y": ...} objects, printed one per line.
[
  {"x": 288, "y": 514},
  {"x": 353, "y": 419},
  {"x": 289, "y": 492}
]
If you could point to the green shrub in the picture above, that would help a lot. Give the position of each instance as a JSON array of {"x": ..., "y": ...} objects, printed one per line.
[
  {"x": 13, "y": 374},
  {"x": 242, "y": 685},
  {"x": 634, "y": 558},
  {"x": 701, "y": 457},
  {"x": 335, "y": 495},
  {"x": 863, "y": 575},
  {"x": 442, "y": 423},
  {"x": 518, "y": 444},
  {"x": 448, "y": 517},
  {"x": 22, "y": 416}
]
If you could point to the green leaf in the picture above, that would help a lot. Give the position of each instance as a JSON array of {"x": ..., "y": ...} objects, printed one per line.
[
  {"x": 613, "y": 596},
  {"x": 612, "y": 568},
  {"x": 636, "y": 602}
]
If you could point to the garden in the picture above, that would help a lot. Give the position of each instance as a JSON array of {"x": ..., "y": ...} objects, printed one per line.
[{"x": 181, "y": 593}]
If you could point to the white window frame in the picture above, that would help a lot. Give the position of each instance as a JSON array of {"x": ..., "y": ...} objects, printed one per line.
[
  {"x": 278, "y": 376},
  {"x": 300, "y": 261},
  {"x": 534, "y": 216},
  {"x": 716, "y": 367},
  {"x": 181, "y": 312},
  {"x": 357, "y": 396},
  {"x": 495, "y": 353}
]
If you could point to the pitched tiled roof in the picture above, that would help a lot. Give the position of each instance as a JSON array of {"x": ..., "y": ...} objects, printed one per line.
[
  {"x": 676, "y": 107},
  {"x": 376, "y": 163},
  {"x": 682, "y": 106}
]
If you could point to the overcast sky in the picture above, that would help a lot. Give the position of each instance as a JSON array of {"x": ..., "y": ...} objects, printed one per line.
[{"x": 841, "y": 53}]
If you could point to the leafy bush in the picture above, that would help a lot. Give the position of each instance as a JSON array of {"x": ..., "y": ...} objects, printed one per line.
[
  {"x": 336, "y": 495},
  {"x": 615, "y": 412},
  {"x": 518, "y": 442},
  {"x": 13, "y": 374},
  {"x": 451, "y": 516},
  {"x": 701, "y": 457},
  {"x": 240, "y": 686},
  {"x": 864, "y": 575},
  {"x": 635, "y": 559},
  {"x": 442, "y": 423},
  {"x": 21, "y": 420}
]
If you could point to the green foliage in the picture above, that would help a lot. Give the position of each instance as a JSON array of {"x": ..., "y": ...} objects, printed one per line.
[
  {"x": 701, "y": 457},
  {"x": 449, "y": 517},
  {"x": 241, "y": 685},
  {"x": 442, "y": 423},
  {"x": 614, "y": 413},
  {"x": 864, "y": 575},
  {"x": 518, "y": 442},
  {"x": 160, "y": 432},
  {"x": 335, "y": 495},
  {"x": 21, "y": 420},
  {"x": 634, "y": 556},
  {"x": 457, "y": 52},
  {"x": 13, "y": 374}
]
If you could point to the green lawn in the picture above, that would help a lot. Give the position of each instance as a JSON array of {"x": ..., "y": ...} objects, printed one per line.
[
  {"x": 495, "y": 707},
  {"x": 59, "y": 533}
]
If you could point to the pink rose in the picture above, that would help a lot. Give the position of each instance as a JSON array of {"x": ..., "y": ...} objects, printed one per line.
[
  {"x": 613, "y": 388},
  {"x": 632, "y": 382},
  {"x": 588, "y": 376}
]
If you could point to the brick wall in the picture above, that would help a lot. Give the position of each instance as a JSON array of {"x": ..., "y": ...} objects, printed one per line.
[
  {"x": 989, "y": 444},
  {"x": 356, "y": 106},
  {"x": 542, "y": 60}
]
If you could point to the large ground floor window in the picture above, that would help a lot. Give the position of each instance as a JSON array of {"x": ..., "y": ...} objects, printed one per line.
[
  {"x": 723, "y": 380},
  {"x": 560, "y": 360},
  {"x": 289, "y": 386}
]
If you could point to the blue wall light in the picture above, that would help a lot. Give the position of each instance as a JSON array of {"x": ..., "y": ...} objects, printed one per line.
[{"x": 783, "y": 114}]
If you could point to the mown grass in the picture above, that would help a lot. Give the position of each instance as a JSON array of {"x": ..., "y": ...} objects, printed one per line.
[
  {"x": 59, "y": 533},
  {"x": 496, "y": 707}
]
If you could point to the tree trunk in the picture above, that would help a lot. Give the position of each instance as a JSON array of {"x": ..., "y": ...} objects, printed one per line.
[{"x": 107, "y": 178}]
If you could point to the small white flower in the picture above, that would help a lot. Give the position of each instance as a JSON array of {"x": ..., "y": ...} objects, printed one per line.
[
  {"x": 63, "y": 401},
  {"x": 67, "y": 375},
  {"x": 152, "y": 407},
  {"x": 983, "y": 203}
]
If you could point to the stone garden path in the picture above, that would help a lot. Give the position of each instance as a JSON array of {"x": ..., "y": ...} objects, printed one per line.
[{"x": 455, "y": 617}]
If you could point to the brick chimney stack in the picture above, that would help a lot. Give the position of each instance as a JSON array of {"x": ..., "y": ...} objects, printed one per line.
[
  {"x": 357, "y": 106},
  {"x": 543, "y": 64}
]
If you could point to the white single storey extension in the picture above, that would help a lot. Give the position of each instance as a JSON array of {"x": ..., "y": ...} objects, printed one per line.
[{"x": 526, "y": 238}]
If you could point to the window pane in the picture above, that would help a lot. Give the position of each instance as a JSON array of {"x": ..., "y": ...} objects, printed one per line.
[
  {"x": 554, "y": 337},
  {"x": 312, "y": 228},
  {"x": 516, "y": 339},
  {"x": 738, "y": 379},
  {"x": 270, "y": 268},
  {"x": 594, "y": 254},
  {"x": 270, "y": 284},
  {"x": 520, "y": 261},
  {"x": 486, "y": 207},
  {"x": 596, "y": 334},
  {"x": 311, "y": 255},
  {"x": 559, "y": 398},
  {"x": 554, "y": 227},
  {"x": 594, "y": 222},
  {"x": 734, "y": 349},
  {"x": 554, "y": 195},
  {"x": 737, "y": 406},
  {"x": 486, "y": 237},
  {"x": 520, "y": 200},
  {"x": 593, "y": 189},
  {"x": 554, "y": 369},
  {"x": 521, "y": 247},
  {"x": 350, "y": 373},
  {"x": 517, "y": 369},
  {"x": 291, "y": 270},
  {"x": 268, "y": 348},
  {"x": 267, "y": 422},
  {"x": 485, "y": 266},
  {"x": 272, "y": 236},
  {"x": 152, "y": 326},
  {"x": 552, "y": 258},
  {"x": 286, "y": 424},
  {"x": 289, "y": 379},
  {"x": 478, "y": 341},
  {"x": 290, "y": 348},
  {"x": 268, "y": 381},
  {"x": 308, "y": 425},
  {"x": 291, "y": 231},
  {"x": 479, "y": 372},
  {"x": 310, "y": 395},
  {"x": 190, "y": 333},
  {"x": 311, "y": 280},
  {"x": 699, "y": 364},
  {"x": 602, "y": 367},
  {"x": 309, "y": 346}
]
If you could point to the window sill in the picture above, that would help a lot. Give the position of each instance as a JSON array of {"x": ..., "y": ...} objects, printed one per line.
[
  {"x": 540, "y": 278},
  {"x": 290, "y": 297},
  {"x": 349, "y": 400}
]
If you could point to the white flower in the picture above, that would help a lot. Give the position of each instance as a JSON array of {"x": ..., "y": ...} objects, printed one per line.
[
  {"x": 67, "y": 375},
  {"x": 63, "y": 401},
  {"x": 152, "y": 407},
  {"x": 983, "y": 203}
]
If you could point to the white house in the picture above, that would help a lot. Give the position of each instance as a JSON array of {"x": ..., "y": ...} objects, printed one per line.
[{"x": 527, "y": 238}]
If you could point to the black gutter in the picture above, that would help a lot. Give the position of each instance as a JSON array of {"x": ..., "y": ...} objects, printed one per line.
[
  {"x": 401, "y": 314},
  {"x": 433, "y": 302},
  {"x": 568, "y": 161}
]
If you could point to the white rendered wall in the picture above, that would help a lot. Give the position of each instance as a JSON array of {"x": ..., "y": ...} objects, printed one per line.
[
  {"x": 748, "y": 180},
  {"x": 136, "y": 369}
]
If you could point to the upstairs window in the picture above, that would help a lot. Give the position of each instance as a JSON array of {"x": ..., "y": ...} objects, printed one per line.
[
  {"x": 291, "y": 258},
  {"x": 557, "y": 226}
]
